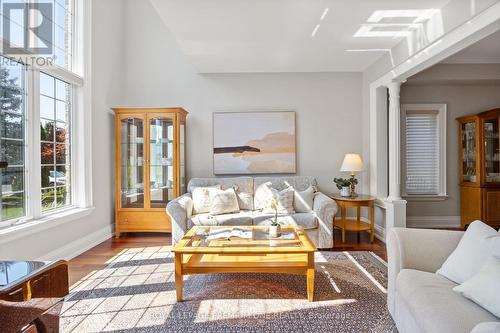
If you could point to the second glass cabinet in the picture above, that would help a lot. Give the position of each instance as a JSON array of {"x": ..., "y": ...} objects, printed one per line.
[{"x": 479, "y": 167}]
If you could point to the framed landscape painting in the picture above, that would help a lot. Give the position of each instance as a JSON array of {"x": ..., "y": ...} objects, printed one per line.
[{"x": 254, "y": 142}]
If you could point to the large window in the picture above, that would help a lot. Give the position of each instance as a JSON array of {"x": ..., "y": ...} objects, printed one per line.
[
  {"x": 55, "y": 143},
  {"x": 12, "y": 142},
  {"x": 39, "y": 94},
  {"x": 424, "y": 135}
]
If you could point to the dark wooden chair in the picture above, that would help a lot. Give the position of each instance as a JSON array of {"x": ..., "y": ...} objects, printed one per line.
[
  {"x": 40, "y": 315},
  {"x": 32, "y": 302}
]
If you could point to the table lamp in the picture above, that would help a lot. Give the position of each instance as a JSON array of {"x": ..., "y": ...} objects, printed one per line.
[{"x": 352, "y": 163}]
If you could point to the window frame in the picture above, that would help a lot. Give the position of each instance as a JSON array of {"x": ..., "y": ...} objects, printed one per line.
[
  {"x": 80, "y": 132},
  {"x": 441, "y": 111}
]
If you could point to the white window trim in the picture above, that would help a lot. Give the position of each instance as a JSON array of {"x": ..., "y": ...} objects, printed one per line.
[
  {"x": 440, "y": 110},
  {"x": 81, "y": 155}
]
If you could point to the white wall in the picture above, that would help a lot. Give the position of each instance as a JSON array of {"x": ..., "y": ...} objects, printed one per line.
[
  {"x": 461, "y": 99},
  {"x": 328, "y": 106},
  {"x": 75, "y": 236},
  {"x": 136, "y": 62}
]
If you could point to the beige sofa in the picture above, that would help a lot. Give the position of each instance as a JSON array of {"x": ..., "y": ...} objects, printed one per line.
[
  {"x": 420, "y": 300},
  {"x": 318, "y": 223}
]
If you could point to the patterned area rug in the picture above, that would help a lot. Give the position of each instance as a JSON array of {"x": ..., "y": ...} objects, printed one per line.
[{"x": 136, "y": 293}]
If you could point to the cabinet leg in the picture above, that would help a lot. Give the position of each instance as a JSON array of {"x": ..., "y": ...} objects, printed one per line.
[{"x": 117, "y": 234}]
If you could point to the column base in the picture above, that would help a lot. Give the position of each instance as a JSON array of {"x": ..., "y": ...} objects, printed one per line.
[{"x": 395, "y": 213}]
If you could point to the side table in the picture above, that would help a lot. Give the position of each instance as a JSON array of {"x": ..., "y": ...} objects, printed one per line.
[{"x": 350, "y": 224}]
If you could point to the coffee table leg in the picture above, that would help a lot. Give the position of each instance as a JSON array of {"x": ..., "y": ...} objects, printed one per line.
[
  {"x": 178, "y": 276},
  {"x": 310, "y": 277}
]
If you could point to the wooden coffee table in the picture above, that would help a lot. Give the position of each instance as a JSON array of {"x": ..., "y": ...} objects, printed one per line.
[{"x": 293, "y": 253}]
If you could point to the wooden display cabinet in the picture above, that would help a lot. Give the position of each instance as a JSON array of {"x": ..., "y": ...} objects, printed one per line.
[
  {"x": 150, "y": 166},
  {"x": 479, "y": 168}
]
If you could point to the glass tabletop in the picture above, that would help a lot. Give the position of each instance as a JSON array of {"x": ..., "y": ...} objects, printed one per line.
[
  {"x": 234, "y": 237},
  {"x": 11, "y": 271}
]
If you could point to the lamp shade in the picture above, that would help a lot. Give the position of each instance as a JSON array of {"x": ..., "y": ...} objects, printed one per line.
[{"x": 352, "y": 162}]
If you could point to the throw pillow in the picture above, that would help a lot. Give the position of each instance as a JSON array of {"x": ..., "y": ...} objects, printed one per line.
[
  {"x": 223, "y": 202},
  {"x": 487, "y": 327},
  {"x": 495, "y": 248},
  {"x": 284, "y": 199},
  {"x": 245, "y": 199},
  {"x": 483, "y": 288},
  {"x": 201, "y": 198},
  {"x": 263, "y": 195},
  {"x": 471, "y": 253},
  {"x": 303, "y": 200}
]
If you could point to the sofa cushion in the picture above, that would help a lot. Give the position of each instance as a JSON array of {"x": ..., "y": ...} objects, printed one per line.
[
  {"x": 283, "y": 200},
  {"x": 242, "y": 185},
  {"x": 205, "y": 219},
  {"x": 474, "y": 249},
  {"x": 434, "y": 306},
  {"x": 305, "y": 220},
  {"x": 303, "y": 200},
  {"x": 223, "y": 202},
  {"x": 483, "y": 287},
  {"x": 201, "y": 198},
  {"x": 299, "y": 183}
]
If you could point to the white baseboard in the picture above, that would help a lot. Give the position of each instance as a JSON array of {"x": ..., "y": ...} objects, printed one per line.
[
  {"x": 433, "y": 221},
  {"x": 379, "y": 232},
  {"x": 73, "y": 249},
  {"x": 423, "y": 222}
]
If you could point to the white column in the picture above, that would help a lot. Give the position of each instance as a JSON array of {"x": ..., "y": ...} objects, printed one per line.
[
  {"x": 394, "y": 142},
  {"x": 395, "y": 205}
]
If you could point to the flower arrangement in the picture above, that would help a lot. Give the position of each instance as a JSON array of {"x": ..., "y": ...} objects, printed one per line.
[
  {"x": 275, "y": 227},
  {"x": 274, "y": 205}
]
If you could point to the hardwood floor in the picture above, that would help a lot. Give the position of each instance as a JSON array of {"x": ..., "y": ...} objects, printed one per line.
[{"x": 97, "y": 258}]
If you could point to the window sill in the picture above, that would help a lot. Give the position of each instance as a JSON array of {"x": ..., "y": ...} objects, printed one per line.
[
  {"x": 442, "y": 197},
  {"x": 49, "y": 221}
]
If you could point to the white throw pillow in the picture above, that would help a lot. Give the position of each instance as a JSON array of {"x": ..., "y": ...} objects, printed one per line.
[
  {"x": 487, "y": 327},
  {"x": 303, "y": 200},
  {"x": 223, "y": 202},
  {"x": 471, "y": 253},
  {"x": 201, "y": 198},
  {"x": 284, "y": 199},
  {"x": 483, "y": 288},
  {"x": 263, "y": 194},
  {"x": 495, "y": 247},
  {"x": 245, "y": 200}
]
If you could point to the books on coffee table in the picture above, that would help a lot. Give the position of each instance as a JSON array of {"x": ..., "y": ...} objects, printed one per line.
[{"x": 227, "y": 233}]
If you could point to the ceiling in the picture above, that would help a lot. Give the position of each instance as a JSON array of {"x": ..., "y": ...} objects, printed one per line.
[
  {"x": 486, "y": 51},
  {"x": 221, "y": 36}
]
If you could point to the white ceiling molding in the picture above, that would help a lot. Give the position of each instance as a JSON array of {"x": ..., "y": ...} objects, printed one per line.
[{"x": 486, "y": 51}]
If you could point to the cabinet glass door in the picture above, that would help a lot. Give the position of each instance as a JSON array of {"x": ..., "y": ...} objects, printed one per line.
[
  {"x": 132, "y": 162},
  {"x": 161, "y": 152},
  {"x": 491, "y": 151},
  {"x": 469, "y": 152}
]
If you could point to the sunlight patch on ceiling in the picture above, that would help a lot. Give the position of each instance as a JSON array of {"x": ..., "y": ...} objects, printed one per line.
[
  {"x": 323, "y": 15},
  {"x": 417, "y": 27},
  {"x": 400, "y": 23}
]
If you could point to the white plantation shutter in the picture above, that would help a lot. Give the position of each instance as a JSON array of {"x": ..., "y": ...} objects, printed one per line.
[{"x": 422, "y": 153}]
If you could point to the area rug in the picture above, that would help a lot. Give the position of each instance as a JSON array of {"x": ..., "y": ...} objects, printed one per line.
[{"x": 136, "y": 293}]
